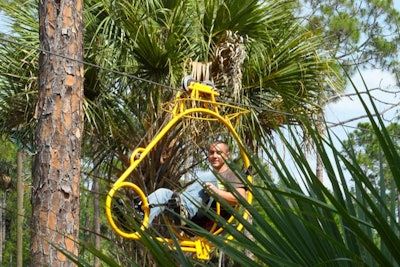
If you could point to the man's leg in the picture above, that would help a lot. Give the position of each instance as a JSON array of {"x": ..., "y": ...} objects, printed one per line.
[
  {"x": 160, "y": 196},
  {"x": 193, "y": 197}
]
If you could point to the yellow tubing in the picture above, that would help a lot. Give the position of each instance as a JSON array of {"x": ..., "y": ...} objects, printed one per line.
[{"x": 205, "y": 96}]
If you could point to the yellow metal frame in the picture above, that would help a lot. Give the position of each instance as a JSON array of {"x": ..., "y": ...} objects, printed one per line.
[{"x": 201, "y": 104}]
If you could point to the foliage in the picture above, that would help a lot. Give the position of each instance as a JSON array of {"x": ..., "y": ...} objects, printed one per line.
[
  {"x": 367, "y": 150},
  {"x": 8, "y": 155},
  {"x": 359, "y": 33},
  {"x": 18, "y": 79},
  {"x": 316, "y": 226}
]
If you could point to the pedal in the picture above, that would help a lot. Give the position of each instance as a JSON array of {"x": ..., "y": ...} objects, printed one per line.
[
  {"x": 119, "y": 210},
  {"x": 180, "y": 211},
  {"x": 125, "y": 216},
  {"x": 174, "y": 202}
]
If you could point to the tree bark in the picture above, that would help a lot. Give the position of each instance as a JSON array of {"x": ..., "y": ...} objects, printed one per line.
[
  {"x": 20, "y": 208},
  {"x": 2, "y": 224},
  {"x": 56, "y": 177},
  {"x": 319, "y": 172},
  {"x": 96, "y": 214}
]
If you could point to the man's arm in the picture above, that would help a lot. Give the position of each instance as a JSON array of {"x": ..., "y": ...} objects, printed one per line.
[{"x": 228, "y": 196}]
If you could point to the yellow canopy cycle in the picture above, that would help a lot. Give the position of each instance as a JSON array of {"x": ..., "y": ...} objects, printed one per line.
[{"x": 197, "y": 102}]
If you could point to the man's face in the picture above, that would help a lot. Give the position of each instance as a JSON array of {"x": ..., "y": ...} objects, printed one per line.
[{"x": 217, "y": 154}]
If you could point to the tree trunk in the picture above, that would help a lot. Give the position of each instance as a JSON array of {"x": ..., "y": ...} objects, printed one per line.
[
  {"x": 96, "y": 214},
  {"x": 2, "y": 224},
  {"x": 56, "y": 177},
  {"x": 319, "y": 168},
  {"x": 20, "y": 208},
  {"x": 319, "y": 172}
]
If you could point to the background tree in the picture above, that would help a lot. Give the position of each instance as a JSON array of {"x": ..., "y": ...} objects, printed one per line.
[
  {"x": 7, "y": 173},
  {"x": 18, "y": 99},
  {"x": 271, "y": 80},
  {"x": 365, "y": 145},
  {"x": 359, "y": 33}
]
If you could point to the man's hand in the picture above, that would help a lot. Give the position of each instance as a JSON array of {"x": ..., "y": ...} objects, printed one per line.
[
  {"x": 211, "y": 188},
  {"x": 228, "y": 196}
]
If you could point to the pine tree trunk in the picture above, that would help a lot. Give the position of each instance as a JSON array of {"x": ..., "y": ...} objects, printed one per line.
[
  {"x": 96, "y": 214},
  {"x": 20, "y": 208},
  {"x": 319, "y": 172},
  {"x": 56, "y": 177},
  {"x": 2, "y": 224}
]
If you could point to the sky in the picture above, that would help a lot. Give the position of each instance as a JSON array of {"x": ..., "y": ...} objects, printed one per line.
[{"x": 349, "y": 108}]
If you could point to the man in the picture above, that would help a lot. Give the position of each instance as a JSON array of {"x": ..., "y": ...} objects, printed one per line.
[{"x": 196, "y": 194}]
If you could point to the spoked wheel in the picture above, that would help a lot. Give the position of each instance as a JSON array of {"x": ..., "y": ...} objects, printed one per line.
[
  {"x": 129, "y": 208},
  {"x": 127, "y": 212}
]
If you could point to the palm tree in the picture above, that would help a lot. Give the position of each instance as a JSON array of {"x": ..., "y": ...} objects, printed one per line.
[
  {"x": 279, "y": 60},
  {"x": 18, "y": 79}
]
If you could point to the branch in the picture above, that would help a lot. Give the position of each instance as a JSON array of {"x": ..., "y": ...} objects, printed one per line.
[
  {"x": 349, "y": 95},
  {"x": 341, "y": 123}
]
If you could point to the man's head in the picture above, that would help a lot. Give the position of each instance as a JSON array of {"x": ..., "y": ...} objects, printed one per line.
[{"x": 217, "y": 155}]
